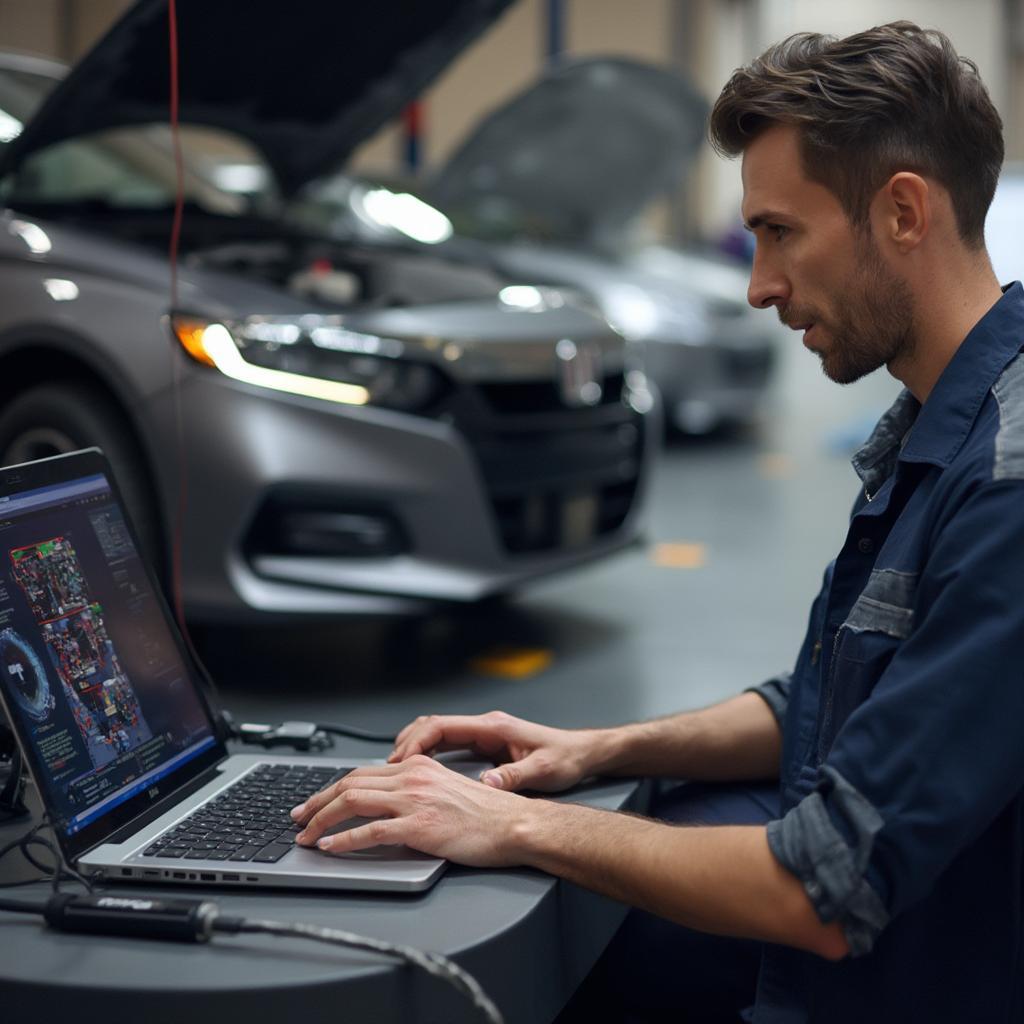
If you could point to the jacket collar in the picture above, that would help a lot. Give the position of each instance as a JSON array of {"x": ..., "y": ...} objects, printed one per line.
[{"x": 936, "y": 431}]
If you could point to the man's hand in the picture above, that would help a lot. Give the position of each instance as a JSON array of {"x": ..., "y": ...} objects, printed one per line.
[
  {"x": 422, "y": 804},
  {"x": 530, "y": 756}
]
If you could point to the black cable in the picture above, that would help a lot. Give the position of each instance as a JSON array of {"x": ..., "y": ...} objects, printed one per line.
[
  {"x": 197, "y": 920},
  {"x": 56, "y": 873},
  {"x": 433, "y": 963},
  {"x": 304, "y": 736},
  {"x": 356, "y": 734},
  {"x": 20, "y": 907}
]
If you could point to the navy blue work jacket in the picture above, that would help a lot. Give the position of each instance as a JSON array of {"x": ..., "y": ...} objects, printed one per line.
[{"x": 902, "y": 773}]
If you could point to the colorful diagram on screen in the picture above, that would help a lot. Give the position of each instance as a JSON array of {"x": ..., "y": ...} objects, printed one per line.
[
  {"x": 98, "y": 692},
  {"x": 51, "y": 578},
  {"x": 26, "y": 677}
]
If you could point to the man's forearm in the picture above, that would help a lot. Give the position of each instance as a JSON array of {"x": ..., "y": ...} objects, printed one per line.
[
  {"x": 737, "y": 739},
  {"x": 723, "y": 880}
]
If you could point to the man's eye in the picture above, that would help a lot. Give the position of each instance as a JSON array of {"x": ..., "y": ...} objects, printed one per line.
[{"x": 779, "y": 230}]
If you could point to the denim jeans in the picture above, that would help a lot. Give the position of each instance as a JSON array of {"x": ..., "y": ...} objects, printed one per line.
[{"x": 654, "y": 970}]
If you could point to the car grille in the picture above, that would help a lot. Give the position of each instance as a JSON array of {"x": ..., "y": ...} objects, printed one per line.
[
  {"x": 558, "y": 478},
  {"x": 540, "y": 396}
]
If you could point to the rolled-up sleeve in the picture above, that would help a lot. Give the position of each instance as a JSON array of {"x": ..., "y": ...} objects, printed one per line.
[
  {"x": 832, "y": 870},
  {"x": 926, "y": 763},
  {"x": 775, "y": 693}
]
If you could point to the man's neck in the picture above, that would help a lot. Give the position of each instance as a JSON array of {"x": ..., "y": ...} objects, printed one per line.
[{"x": 941, "y": 324}]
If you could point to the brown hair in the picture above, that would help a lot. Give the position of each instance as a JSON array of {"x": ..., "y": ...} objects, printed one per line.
[{"x": 893, "y": 98}]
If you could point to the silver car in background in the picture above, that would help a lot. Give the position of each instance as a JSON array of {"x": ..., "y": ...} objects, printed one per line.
[
  {"x": 557, "y": 179},
  {"x": 361, "y": 429}
]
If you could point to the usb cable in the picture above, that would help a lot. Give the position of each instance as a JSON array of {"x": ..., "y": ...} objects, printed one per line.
[{"x": 180, "y": 920}]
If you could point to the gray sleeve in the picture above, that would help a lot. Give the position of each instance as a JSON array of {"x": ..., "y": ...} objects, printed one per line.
[
  {"x": 807, "y": 843},
  {"x": 775, "y": 693}
]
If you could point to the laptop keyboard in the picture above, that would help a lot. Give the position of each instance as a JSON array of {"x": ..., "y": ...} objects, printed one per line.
[{"x": 250, "y": 820}]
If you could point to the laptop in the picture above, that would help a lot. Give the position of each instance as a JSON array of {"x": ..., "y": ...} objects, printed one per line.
[{"x": 115, "y": 727}]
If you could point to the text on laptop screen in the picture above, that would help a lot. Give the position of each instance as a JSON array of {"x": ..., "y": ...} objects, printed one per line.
[{"x": 87, "y": 661}]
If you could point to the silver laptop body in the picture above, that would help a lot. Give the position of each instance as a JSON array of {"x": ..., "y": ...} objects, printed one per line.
[{"x": 105, "y": 700}]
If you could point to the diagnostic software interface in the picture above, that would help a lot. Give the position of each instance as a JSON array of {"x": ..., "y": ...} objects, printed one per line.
[{"x": 87, "y": 661}]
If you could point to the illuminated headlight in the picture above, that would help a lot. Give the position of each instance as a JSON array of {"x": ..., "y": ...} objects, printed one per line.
[{"x": 312, "y": 358}]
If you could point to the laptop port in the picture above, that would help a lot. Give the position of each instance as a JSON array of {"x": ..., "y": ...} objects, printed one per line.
[
  {"x": 127, "y": 872},
  {"x": 151, "y": 873},
  {"x": 251, "y": 878},
  {"x": 230, "y": 878},
  {"x": 207, "y": 876},
  {"x": 179, "y": 874}
]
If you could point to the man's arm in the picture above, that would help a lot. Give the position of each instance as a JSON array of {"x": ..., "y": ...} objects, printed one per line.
[
  {"x": 724, "y": 880},
  {"x": 738, "y": 739}
]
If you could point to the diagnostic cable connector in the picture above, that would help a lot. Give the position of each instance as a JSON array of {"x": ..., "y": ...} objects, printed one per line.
[
  {"x": 300, "y": 735},
  {"x": 180, "y": 920}
]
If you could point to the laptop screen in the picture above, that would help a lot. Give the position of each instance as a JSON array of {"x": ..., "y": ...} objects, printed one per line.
[{"x": 103, "y": 700}]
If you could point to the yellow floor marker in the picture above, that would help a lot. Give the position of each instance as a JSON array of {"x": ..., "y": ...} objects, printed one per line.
[
  {"x": 512, "y": 662},
  {"x": 679, "y": 556},
  {"x": 777, "y": 466}
]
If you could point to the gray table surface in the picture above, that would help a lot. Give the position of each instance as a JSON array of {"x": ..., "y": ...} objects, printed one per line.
[{"x": 528, "y": 938}]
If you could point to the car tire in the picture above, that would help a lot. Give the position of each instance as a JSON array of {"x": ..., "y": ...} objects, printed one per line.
[{"x": 52, "y": 419}]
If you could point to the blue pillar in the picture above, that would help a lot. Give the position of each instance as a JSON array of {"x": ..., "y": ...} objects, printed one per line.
[{"x": 556, "y": 31}]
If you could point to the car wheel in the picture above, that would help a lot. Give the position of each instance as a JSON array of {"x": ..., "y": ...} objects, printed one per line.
[{"x": 63, "y": 417}]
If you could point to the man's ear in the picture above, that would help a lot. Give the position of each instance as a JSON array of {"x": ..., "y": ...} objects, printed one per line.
[{"x": 902, "y": 210}]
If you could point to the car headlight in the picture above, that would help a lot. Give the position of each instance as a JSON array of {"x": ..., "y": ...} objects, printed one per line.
[{"x": 313, "y": 357}]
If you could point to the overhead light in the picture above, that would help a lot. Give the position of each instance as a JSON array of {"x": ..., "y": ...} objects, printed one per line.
[
  {"x": 521, "y": 296},
  {"x": 406, "y": 213},
  {"x": 60, "y": 289},
  {"x": 37, "y": 240},
  {"x": 10, "y": 127}
]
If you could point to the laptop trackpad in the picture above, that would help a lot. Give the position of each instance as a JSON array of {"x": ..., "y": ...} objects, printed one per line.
[{"x": 372, "y": 852}]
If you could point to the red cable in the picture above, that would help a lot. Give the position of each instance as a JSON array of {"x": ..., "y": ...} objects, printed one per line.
[{"x": 179, "y": 205}]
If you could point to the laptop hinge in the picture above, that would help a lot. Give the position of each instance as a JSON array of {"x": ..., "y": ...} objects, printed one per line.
[{"x": 129, "y": 829}]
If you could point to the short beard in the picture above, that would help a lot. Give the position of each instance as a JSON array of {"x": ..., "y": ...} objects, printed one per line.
[{"x": 872, "y": 326}]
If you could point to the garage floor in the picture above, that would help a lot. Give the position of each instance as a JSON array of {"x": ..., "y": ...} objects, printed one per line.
[{"x": 739, "y": 533}]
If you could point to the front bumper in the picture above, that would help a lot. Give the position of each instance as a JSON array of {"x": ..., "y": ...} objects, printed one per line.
[
  {"x": 485, "y": 498},
  {"x": 709, "y": 385}
]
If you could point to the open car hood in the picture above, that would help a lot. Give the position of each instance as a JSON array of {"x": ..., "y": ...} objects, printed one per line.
[
  {"x": 577, "y": 155},
  {"x": 303, "y": 80}
]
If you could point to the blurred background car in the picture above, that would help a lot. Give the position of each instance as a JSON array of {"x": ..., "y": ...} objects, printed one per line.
[
  {"x": 564, "y": 174},
  {"x": 353, "y": 428}
]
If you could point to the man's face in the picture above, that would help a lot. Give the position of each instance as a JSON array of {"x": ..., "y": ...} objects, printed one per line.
[{"x": 824, "y": 276}]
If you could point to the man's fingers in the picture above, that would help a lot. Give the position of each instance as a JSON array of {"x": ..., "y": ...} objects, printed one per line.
[
  {"x": 383, "y": 832},
  {"x": 532, "y": 772},
  {"x": 369, "y": 777},
  {"x": 353, "y": 803},
  {"x": 449, "y": 732}
]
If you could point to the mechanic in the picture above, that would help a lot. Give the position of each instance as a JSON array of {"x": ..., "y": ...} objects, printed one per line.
[{"x": 882, "y": 880}]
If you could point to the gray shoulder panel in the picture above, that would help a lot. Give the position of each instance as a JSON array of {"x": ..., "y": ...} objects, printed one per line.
[{"x": 1009, "y": 446}]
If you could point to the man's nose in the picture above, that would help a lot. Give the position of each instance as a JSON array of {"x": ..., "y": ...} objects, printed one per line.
[{"x": 768, "y": 286}]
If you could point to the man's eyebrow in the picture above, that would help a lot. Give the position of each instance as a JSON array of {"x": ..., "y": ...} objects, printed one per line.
[{"x": 764, "y": 217}]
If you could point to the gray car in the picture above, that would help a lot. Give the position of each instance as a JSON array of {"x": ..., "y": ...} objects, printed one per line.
[{"x": 346, "y": 429}]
